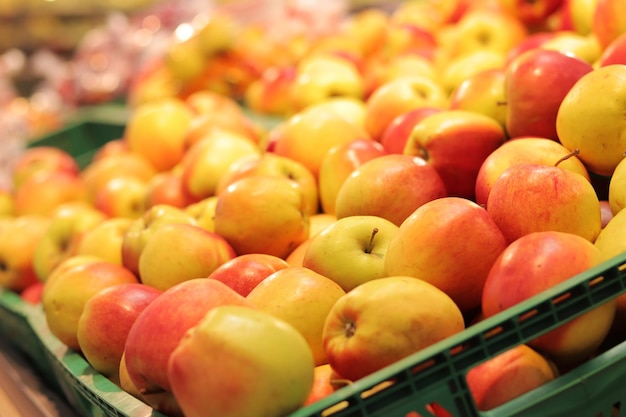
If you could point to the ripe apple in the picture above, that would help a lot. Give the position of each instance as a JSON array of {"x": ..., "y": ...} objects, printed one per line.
[
  {"x": 157, "y": 332},
  {"x": 41, "y": 159},
  {"x": 212, "y": 368},
  {"x": 320, "y": 76},
  {"x": 614, "y": 53},
  {"x": 274, "y": 165},
  {"x": 32, "y": 293},
  {"x": 397, "y": 133},
  {"x": 157, "y": 131},
  {"x": 269, "y": 93},
  {"x": 460, "y": 68},
  {"x": 203, "y": 212},
  {"x": 535, "y": 84},
  {"x": 398, "y": 96},
  {"x": 591, "y": 120},
  {"x": 123, "y": 196},
  {"x": 524, "y": 150},
  {"x": 244, "y": 272},
  {"x": 530, "y": 197},
  {"x": 65, "y": 294},
  {"x": 531, "y": 41},
  {"x": 7, "y": 203},
  {"x": 568, "y": 42},
  {"x": 508, "y": 375},
  {"x": 105, "y": 322},
  {"x": 262, "y": 214},
  {"x": 308, "y": 135},
  {"x": 42, "y": 194},
  {"x": 609, "y": 21},
  {"x": 451, "y": 243},
  {"x": 165, "y": 188},
  {"x": 178, "y": 252},
  {"x": 104, "y": 240},
  {"x": 390, "y": 186},
  {"x": 325, "y": 382},
  {"x": 617, "y": 190},
  {"x": 482, "y": 92},
  {"x": 99, "y": 172},
  {"x": 359, "y": 340},
  {"x": 68, "y": 225},
  {"x": 19, "y": 238},
  {"x": 579, "y": 14},
  {"x": 456, "y": 143},
  {"x": 536, "y": 262},
  {"x": 381, "y": 71},
  {"x": 338, "y": 163},
  {"x": 351, "y": 251},
  {"x": 301, "y": 297},
  {"x": 111, "y": 148},
  {"x": 139, "y": 232},
  {"x": 209, "y": 159},
  {"x": 533, "y": 14}
]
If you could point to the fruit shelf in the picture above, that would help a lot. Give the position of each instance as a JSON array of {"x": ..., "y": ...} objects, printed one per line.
[{"x": 407, "y": 388}]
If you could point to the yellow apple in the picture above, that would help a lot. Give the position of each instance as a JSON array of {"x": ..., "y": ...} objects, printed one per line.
[
  {"x": 43, "y": 194},
  {"x": 262, "y": 214},
  {"x": 617, "y": 188},
  {"x": 569, "y": 42},
  {"x": 240, "y": 361},
  {"x": 591, "y": 118},
  {"x": 302, "y": 298},
  {"x": 105, "y": 239},
  {"x": 612, "y": 240},
  {"x": 204, "y": 212}
]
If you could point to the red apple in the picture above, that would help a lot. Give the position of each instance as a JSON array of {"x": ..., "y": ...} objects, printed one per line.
[
  {"x": 397, "y": 133},
  {"x": 42, "y": 159},
  {"x": 160, "y": 327},
  {"x": 609, "y": 21},
  {"x": 536, "y": 82},
  {"x": 245, "y": 272},
  {"x": 532, "y": 13},
  {"x": 105, "y": 322},
  {"x": 614, "y": 53}
]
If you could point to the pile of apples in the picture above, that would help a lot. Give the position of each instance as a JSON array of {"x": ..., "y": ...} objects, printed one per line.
[{"x": 431, "y": 167}]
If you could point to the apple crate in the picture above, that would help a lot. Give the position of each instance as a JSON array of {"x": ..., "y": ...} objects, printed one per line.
[
  {"x": 434, "y": 375},
  {"x": 16, "y": 328}
]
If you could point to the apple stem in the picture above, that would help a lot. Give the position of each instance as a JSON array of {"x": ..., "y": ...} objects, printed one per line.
[
  {"x": 370, "y": 245},
  {"x": 568, "y": 156}
]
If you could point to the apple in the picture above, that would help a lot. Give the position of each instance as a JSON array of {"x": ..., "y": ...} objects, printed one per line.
[
  {"x": 113, "y": 147},
  {"x": 397, "y": 133},
  {"x": 320, "y": 76},
  {"x": 32, "y": 293},
  {"x": 18, "y": 240},
  {"x": 533, "y": 14},
  {"x": 99, "y": 172},
  {"x": 614, "y": 53},
  {"x": 531, "y": 197},
  {"x": 7, "y": 203},
  {"x": 262, "y": 214},
  {"x": 609, "y": 21},
  {"x": 42, "y": 194},
  {"x": 390, "y": 186},
  {"x": 338, "y": 163},
  {"x": 536, "y": 262},
  {"x": 325, "y": 382},
  {"x": 398, "y": 96},
  {"x": 157, "y": 332},
  {"x": 203, "y": 212},
  {"x": 123, "y": 196},
  {"x": 616, "y": 190},
  {"x": 177, "y": 252},
  {"x": 301, "y": 297},
  {"x": 139, "y": 232},
  {"x": 451, "y": 243},
  {"x": 382, "y": 71},
  {"x": 68, "y": 225},
  {"x": 269, "y": 93},
  {"x": 359, "y": 340},
  {"x": 605, "y": 212},
  {"x": 352, "y": 109},
  {"x": 165, "y": 188},
  {"x": 351, "y": 251},
  {"x": 579, "y": 14},
  {"x": 568, "y": 42},
  {"x": 456, "y": 143},
  {"x": 527, "y": 149},
  {"x": 157, "y": 131},
  {"x": 590, "y": 119},
  {"x": 65, "y": 294},
  {"x": 212, "y": 367},
  {"x": 508, "y": 375},
  {"x": 105, "y": 322},
  {"x": 482, "y": 92},
  {"x": 532, "y": 41},
  {"x": 308, "y": 135},
  {"x": 611, "y": 240},
  {"x": 209, "y": 159},
  {"x": 41, "y": 159},
  {"x": 244, "y": 272},
  {"x": 274, "y": 165},
  {"x": 105, "y": 239},
  {"x": 185, "y": 60},
  {"x": 535, "y": 84}
]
